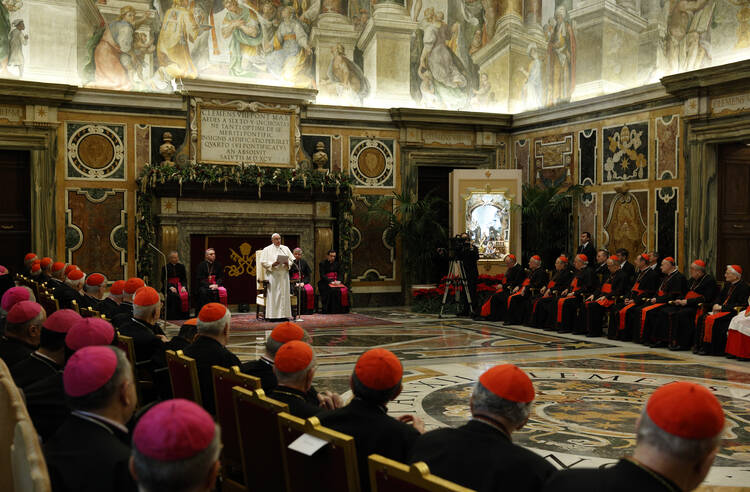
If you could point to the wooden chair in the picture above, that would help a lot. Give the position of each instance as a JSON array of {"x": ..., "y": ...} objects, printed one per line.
[
  {"x": 74, "y": 306},
  {"x": 387, "y": 475},
  {"x": 87, "y": 312},
  {"x": 334, "y": 465},
  {"x": 224, "y": 380},
  {"x": 258, "y": 434},
  {"x": 183, "y": 375},
  {"x": 35, "y": 288},
  {"x": 48, "y": 302},
  {"x": 127, "y": 345},
  {"x": 22, "y": 465}
]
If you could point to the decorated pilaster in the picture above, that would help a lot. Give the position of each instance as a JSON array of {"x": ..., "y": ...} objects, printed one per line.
[{"x": 332, "y": 37}]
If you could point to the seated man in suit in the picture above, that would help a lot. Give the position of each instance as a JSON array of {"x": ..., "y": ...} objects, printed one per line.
[
  {"x": 481, "y": 455},
  {"x": 91, "y": 450},
  {"x": 209, "y": 349},
  {"x": 627, "y": 267},
  {"x": 375, "y": 381},
  {"x": 176, "y": 447},
  {"x": 677, "y": 438},
  {"x": 294, "y": 366},
  {"x": 334, "y": 295}
]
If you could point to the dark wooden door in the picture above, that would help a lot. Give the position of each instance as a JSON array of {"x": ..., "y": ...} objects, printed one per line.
[
  {"x": 436, "y": 180},
  {"x": 15, "y": 208},
  {"x": 734, "y": 208}
]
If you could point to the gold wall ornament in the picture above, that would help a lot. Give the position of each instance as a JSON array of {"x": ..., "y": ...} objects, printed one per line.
[{"x": 244, "y": 262}]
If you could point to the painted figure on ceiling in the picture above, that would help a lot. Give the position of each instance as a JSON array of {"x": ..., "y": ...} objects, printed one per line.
[
  {"x": 445, "y": 68},
  {"x": 349, "y": 81},
  {"x": 561, "y": 54},
  {"x": 291, "y": 59},
  {"x": 113, "y": 56},
  {"x": 242, "y": 28},
  {"x": 532, "y": 89},
  {"x": 177, "y": 30},
  {"x": 688, "y": 42}
]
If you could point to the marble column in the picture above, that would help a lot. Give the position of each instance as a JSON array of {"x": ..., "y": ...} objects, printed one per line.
[
  {"x": 607, "y": 38},
  {"x": 386, "y": 47}
]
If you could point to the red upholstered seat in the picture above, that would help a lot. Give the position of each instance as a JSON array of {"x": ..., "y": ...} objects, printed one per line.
[{"x": 183, "y": 374}]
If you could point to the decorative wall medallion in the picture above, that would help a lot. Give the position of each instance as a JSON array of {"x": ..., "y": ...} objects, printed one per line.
[
  {"x": 626, "y": 152},
  {"x": 95, "y": 151},
  {"x": 371, "y": 162}
]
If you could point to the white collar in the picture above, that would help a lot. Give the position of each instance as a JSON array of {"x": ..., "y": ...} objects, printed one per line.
[{"x": 94, "y": 416}]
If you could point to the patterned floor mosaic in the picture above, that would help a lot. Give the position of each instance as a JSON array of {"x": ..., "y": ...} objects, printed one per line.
[{"x": 589, "y": 391}]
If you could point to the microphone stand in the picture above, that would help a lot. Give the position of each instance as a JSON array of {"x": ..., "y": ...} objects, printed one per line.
[
  {"x": 299, "y": 291},
  {"x": 166, "y": 287}
]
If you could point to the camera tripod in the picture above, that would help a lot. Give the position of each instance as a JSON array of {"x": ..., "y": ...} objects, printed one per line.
[{"x": 456, "y": 277}]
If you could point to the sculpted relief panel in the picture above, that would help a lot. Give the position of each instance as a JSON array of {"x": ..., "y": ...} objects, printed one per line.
[{"x": 459, "y": 55}]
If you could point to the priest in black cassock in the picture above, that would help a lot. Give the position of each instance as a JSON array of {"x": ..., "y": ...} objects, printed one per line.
[
  {"x": 210, "y": 279},
  {"x": 300, "y": 276},
  {"x": 178, "y": 303},
  {"x": 333, "y": 293}
]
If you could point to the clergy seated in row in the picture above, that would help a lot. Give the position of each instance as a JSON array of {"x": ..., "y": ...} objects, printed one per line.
[
  {"x": 57, "y": 278},
  {"x": 300, "y": 275},
  {"x": 111, "y": 304},
  {"x": 738, "y": 336},
  {"x": 6, "y": 282},
  {"x": 495, "y": 307},
  {"x": 711, "y": 331},
  {"x": 46, "y": 265},
  {"x": 294, "y": 366},
  {"x": 45, "y": 399},
  {"x": 601, "y": 269},
  {"x": 209, "y": 348},
  {"x": 124, "y": 311},
  {"x": 541, "y": 308},
  {"x": 646, "y": 284},
  {"x": 583, "y": 284},
  {"x": 263, "y": 368},
  {"x": 677, "y": 438},
  {"x": 178, "y": 300},
  {"x": 627, "y": 267},
  {"x": 28, "y": 262},
  {"x": 375, "y": 381},
  {"x": 480, "y": 454},
  {"x": 334, "y": 295},
  {"x": 615, "y": 286},
  {"x": 210, "y": 279},
  {"x": 673, "y": 286},
  {"x": 49, "y": 358},
  {"x": 185, "y": 336},
  {"x": 72, "y": 290},
  {"x": 275, "y": 259},
  {"x": 91, "y": 449},
  {"x": 519, "y": 303},
  {"x": 176, "y": 448},
  {"x": 93, "y": 292},
  {"x": 23, "y": 329}
]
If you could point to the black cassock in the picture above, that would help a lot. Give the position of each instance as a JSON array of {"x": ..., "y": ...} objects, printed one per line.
[
  {"x": 206, "y": 272},
  {"x": 178, "y": 304},
  {"x": 306, "y": 294},
  {"x": 335, "y": 300}
]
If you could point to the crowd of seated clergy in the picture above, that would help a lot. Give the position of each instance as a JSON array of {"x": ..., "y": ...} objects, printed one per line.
[
  {"x": 648, "y": 302},
  {"x": 79, "y": 390}
]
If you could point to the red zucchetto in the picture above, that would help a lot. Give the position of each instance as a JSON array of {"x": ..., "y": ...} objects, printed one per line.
[
  {"x": 146, "y": 296},
  {"x": 88, "y": 370},
  {"x": 70, "y": 268},
  {"x": 133, "y": 284},
  {"x": 89, "y": 331},
  {"x": 509, "y": 383},
  {"x": 29, "y": 256},
  {"x": 379, "y": 369},
  {"x": 699, "y": 264},
  {"x": 117, "y": 288},
  {"x": 293, "y": 357},
  {"x": 57, "y": 266},
  {"x": 173, "y": 430},
  {"x": 686, "y": 410},
  {"x": 287, "y": 331},
  {"x": 213, "y": 311},
  {"x": 95, "y": 279},
  {"x": 75, "y": 275},
  {"x": 61, "y": 320}
]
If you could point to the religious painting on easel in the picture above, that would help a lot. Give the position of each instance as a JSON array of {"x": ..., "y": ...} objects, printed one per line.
[{"x": 488, "y": 223}]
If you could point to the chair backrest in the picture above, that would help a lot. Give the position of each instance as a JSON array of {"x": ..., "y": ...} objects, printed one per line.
[
  {"x": 224, "y": 380},
  {"x": 34, "y": 286},
  {"x": 127, "y": 345},
  {"x": 260, "y": 272},
  {"x": 74, "y": 306},
  {"x": 260, "y": 443},
  {"x": 388, "y": 475},
  {"x": 12, "y": 412},
  {"x": 48, "y": 302},
  {"x": 87, "y": 312},
  {"x": 183, "y": 374},
  {"x": 335, "y": 464},
  {"x": 27, "y": 461}
]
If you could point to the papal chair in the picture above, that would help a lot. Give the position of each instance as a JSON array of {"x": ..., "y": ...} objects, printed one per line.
[
  {"x": 224, "y": 380},
  {"x": 260, "y": 443},
  {"x": 183, "y": 376},
  {"x": 334, "y": 464},
  {"x": 388, "y": 475}
]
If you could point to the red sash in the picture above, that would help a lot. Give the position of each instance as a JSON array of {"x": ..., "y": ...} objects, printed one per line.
[
  {"x": 332, "y": 276},
  {"x": 644, "y": 313},
  {"x": 747, "y": 311},
  {"x": 708, "y": 329},
  {"x": 487, "y": 308},
  {"x": 344, "y": 290},
  {"x": 606, "y": 302},
  {"x": 636, "y": 288},
  {"x": 520, "y": 291},
  {"x": 222, "y": 290},
  {"x": 574, "y": 285},
  {"x": 607, "y": 288},
  {"x": 183, "y": 294},
  {"x": 692, "y": 295},
  {"x": 622, "y": 314},
  {"x": 551, "y": 284},
  {"x": 526, "y": 282},
  {"x": 309, "y": 293},
  {"x": 560, "y": 303}
]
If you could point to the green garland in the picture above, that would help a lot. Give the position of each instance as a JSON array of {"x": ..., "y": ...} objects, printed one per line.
[{"x": 250, "y": 176}]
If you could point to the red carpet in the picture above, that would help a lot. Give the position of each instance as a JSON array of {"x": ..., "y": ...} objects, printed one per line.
[{"x": 247, "y": 322}]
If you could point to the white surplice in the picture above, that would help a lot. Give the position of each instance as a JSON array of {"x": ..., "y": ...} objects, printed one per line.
[{"x": 278, "y": 301}]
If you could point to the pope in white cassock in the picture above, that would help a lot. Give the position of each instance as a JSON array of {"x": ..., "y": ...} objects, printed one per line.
[{"x": 278, "y": 301}]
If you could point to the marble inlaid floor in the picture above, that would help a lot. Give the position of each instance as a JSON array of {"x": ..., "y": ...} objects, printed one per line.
[{"x": 589, "y": 391}]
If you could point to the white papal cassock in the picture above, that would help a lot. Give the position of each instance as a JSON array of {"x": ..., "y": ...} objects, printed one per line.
[{"x": 278, "y": 304}]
